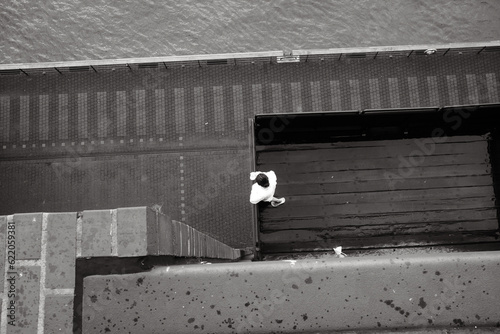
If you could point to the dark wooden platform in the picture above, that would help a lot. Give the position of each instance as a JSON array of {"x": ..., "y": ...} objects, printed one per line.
[{"x": 380, "y": 193}]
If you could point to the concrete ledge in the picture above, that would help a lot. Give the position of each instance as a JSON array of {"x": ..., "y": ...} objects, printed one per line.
[
  {"x": 179, "y": 239},
  {"x": 397, "y": 48},
  {"x": 454, "y": 290},
  {"x": 28, "y": 235},
  {"x": 41, "y": 283},
  {"x": 140, "y": 231},
  {"x": 132, "y": 230},
  {"x": 145, "y": 60},
  {"x": 61, "y": 251},
  {"x": 27, "y": 300},
  {"x": 58, "y": 314},
  {"x": 233, "y": 58},
  {"x": 96, "y": 233}
]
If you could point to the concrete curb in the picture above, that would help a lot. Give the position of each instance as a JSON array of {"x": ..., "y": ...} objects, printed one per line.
[{"x": 424, "y": 292}]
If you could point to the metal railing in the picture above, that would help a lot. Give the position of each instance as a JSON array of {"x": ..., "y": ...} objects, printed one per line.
[
  {"x": 249, "y": 58},
  {"x": 397, "y": 51},
  {"x": 132, "y": 64}
]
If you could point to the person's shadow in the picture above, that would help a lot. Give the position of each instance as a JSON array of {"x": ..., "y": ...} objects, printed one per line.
[{"x": 263, "y": 205}]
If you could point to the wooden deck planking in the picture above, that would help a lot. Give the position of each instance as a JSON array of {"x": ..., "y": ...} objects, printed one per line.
[
  {"x": 331, "y": 165},
  {"x": 395, "y": 195},
  {"x": 400, "y": 196},
  {"x": 448, "y": 170},
  {"x": 286, "y": 154},
  {"x": 300, "y": 210},
  {"x": 358, "y": 186},
  {"x": 407, "y": 240},
  {"x": 371, "y": 142},
  {"x": 343, "y": 189},
  {"x": 367, "y": 221},
  {"x": 305, "y": 235}
]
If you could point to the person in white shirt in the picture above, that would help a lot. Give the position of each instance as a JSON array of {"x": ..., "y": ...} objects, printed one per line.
[{"x": 264, "y": 187}]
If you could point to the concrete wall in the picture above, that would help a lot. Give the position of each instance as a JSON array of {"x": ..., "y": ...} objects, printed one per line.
[
  {"x": 431, "y": 292},
  {"x": 38, "y": 275},
  {"x": 41, "y": 280},
  {"x": 141, "y": 231}
]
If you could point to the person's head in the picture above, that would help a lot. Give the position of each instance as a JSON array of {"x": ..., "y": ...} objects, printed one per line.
[{"x": 262, "y": 180}]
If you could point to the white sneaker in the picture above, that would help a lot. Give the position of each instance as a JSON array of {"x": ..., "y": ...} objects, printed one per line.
[{"x": 274, "y": 204}]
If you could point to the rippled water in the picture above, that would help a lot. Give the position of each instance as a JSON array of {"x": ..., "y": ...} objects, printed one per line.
[{"x": 48, "y": 30}]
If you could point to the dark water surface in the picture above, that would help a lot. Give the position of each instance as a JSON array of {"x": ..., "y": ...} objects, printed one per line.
[{"x": 49, "y": 30}]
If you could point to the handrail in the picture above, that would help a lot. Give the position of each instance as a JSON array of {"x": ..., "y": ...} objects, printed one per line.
[
  {"x": 252, "y": 57},
  {"x": 128, "y": 61},
  {"x": 396, "y": 48}
]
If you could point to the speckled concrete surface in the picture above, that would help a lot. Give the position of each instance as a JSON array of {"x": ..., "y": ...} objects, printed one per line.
[
  {"x": 60, "y": 251},
  {"x": 41, "y": 286},
  {"x": 27, "y": 286},
  {"x": 28, "y": 231},
  {"x": 454, "y": 290}
]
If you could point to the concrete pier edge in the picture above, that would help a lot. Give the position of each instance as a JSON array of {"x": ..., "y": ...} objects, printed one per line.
[
  {"x": 454, "y": 291},
  {"x": 302, "y": 54}
]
